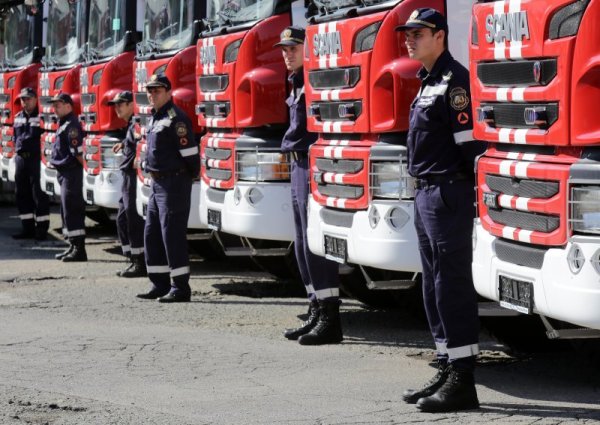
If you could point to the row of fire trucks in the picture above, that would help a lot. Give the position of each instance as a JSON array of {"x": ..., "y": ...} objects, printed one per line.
[{"x": 534, "y": 75}]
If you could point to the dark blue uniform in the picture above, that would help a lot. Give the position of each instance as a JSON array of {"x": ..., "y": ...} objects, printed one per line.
[
  {"x": 172, "y": 160},
  {"x": 442, "y": 156},
  {"x": 130, "y": 226},
  {"x": 32, "y": 201},
  {"x": 66, "y": 148},
  {"x": 319, "y": 275}
]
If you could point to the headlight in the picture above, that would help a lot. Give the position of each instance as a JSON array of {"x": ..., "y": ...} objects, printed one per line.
[
  {"x": 390, "y": 180},
  {"x": 258, "y": 166},
  {"x": 109, "y": 159},
  {"x": 585, "y": 216},
  {"x": 397, "y": 218}
]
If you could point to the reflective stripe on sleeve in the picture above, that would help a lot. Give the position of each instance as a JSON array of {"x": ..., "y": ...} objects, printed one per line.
[
  {"x": 463, "y": 136},
  {"x": 189, "y": 151}
]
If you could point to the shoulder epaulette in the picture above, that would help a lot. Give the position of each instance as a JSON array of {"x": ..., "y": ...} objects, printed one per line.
[
  {"x": 447, "y": 76},
  {"x": 171, "y": 113}
]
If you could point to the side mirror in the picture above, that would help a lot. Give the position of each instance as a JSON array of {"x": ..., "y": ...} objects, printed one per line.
[
  {"x": 197, "y": 28},
  {"x": 131, "y": 39},
  {"x": 38, "y": 53}
]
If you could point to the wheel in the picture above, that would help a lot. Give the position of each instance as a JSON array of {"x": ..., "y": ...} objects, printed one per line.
[
  {"x": 354, "y": 284},
  {"x": 522, "y": 334}
]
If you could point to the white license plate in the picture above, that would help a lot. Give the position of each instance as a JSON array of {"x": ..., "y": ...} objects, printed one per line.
[
  {"x": 336, "y": 249},
  {"x": 516, "y": 294},
  {"x": 214, "y": 219}
]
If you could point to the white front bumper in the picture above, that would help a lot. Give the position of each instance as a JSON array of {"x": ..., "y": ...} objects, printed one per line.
[
  {"x": 49, "y": 176},
  {"x": 7, "y": 169},
  {"x": 143, "y": 194},
  {"x": 271, "y": 218},
  {"x": 103, "y": 190},
  {"x": 383, "y": 247},
  {"x": 558, "y": 292}
]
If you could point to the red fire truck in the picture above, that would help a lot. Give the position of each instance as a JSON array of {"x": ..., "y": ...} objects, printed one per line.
[
  {"x": 168, "y": 46},
  {"x": 245, "y": 188},
  {"x": 534, "y": 71},
  {"x": 360, "y": 83},
  {"x": 66, "y": 37},
  {"x": 23, "y": 52},
  {"x": 105, "y": 71}
]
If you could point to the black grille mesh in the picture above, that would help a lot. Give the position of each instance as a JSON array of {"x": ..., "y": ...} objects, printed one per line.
[
  {"x": 516, "y": 73},
  {"x": 339, "y": 165},
  {"x": 523, "y": 220},
  {"x": 523, "y": 255},
  {"x": 339, "y": 191},
  {"x": 524, "y": 188}
]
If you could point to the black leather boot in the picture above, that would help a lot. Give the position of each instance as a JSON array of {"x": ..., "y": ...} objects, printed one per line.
[
  {"x": 28, "y": 231},
  {"x": 328, "y": 329},
  {"x": 457, "y": 393},
  {"x": 313, "y": 318},
  {"x": 78, "y": 253},
  {"x": 137, "y": 267},
  {"x": 66, "y": 252},
  {"x": 412, "y": 396}
]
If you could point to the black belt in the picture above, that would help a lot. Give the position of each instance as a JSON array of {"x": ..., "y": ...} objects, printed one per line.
[
  {"x": 163, "y": 174},
  {"x": 425, "y": 182},
  {"x": 25, "y": 155},
  {"x": 299, "y": 155}
]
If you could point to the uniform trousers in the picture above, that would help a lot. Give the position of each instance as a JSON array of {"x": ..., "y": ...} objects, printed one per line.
[
  {"x": 72, "y": 205},
  {"x": 32, "y": 202},
  {"x": 165, "y": 239},
  {"x": 319, "y": 275},
  {"x": 444, "y": 216},
  {"x": 130, "y": 226}
]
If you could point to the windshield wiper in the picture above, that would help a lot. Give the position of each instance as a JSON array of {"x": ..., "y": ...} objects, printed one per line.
[{"x": 147, "y": 46}]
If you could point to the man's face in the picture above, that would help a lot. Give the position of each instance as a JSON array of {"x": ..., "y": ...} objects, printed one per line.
[
  {"x": 422, "y": 43},
  {"x": 28, "y": 104},
  {"x": 124, "y": 110},
  {"x": 62, "y": 108},
  {"x": 158, "y": 96},
  {"x": 292, "y": 56}
]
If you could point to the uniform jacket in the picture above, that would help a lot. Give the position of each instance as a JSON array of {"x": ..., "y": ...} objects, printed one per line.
[
  {"x": 171, "y": 145},
  {"x": 68, "y": 143},
  {"x": 131, "y": 138},
  {"x": 27, "y": 133},
  {"x": 296, "y": 138},
  {"x": 440, "y": 138}
]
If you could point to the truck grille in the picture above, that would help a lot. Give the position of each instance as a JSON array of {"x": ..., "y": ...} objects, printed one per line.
[
  {"x": 522, "y": 255},
  {"x": 141, "y": 99},
  {"x": 512, "y": 115},
  {"x": 522, "y": 187},
  {"x": 88, "y": 99},
  {"x": 339, "y": 165},
  {"x": 218, "y": 161},
  {"x": 338, "y": 78},
  {"x": 528, "y": 221},
  {"x": 337, "y": 111},
  {"x": 213, "y": 83},
  {"x": 523, "y": 73}
]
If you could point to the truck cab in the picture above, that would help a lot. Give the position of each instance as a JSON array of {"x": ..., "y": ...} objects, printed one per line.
[
  {"x": 23, "y": 51},
  {"x": 66, "y": 37},
  {"x": 360, "y": 83},
  {"x": 534, "y": 80},
  {"x": 171, "y": 28},
  {"x": 105, "y": 71}
]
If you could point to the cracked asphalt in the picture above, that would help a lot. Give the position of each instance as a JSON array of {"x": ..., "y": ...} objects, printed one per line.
[{"x": 76, "y": 347}]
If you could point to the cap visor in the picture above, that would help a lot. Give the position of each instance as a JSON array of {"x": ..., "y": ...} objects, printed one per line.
[
  {"x": 287, "y": 43},
  {"x": 410, "y": 26}
]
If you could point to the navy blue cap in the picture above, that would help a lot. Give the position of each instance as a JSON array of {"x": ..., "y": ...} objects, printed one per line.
[
  {"x": 159, "y": 80},
  {"x": 291, "y": 36},
  {"x": 27, "y": 92},
  {"x": 122, "y": 97},
  {"x": 62, "y": 97},
  {"x": 425, "y": 17}
]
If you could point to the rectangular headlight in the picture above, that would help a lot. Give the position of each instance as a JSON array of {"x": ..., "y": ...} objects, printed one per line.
[
  {"x": 109, "y": 159},
  {"x": 262, "y": 166},
  {"x": 585, "y": 211},
  {"x": 390, "y": 180}
]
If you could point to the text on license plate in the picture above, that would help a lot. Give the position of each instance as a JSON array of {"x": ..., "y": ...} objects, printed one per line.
[{"x": 336, "y": 249}]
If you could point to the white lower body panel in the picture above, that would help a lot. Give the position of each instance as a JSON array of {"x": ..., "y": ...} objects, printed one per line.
[
  {"x": 103, "y": 190},
  {"x": 558, "y": 292},
  {"x": 382, "y": 247},
  {"x": 49, "y": 179},
  {"x": 7, "y": 169}
]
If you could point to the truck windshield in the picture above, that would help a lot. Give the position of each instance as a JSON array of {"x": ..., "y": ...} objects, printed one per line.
[
  {"x": 107, "y": 28},
  {"x": 66, "y": 32},
  {"x": 18, "y": 37},
  {"x": 222, "y": 13},
  {"x": 168, "y": 25},
  {"x": 328, "y": 6}
]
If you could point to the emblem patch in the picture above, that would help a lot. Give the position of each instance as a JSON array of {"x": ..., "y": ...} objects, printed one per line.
[
  {"x": 74, "y": 142},
  {"x": 73, "y": 133},
  {"x": 287, "y": 34},
  {"x": 459, "y": 99},
  {"x": 183, "y": 141},
  {"x": 181, "y": 129},
  {"x": 413, "y": 15},
  {"x": 463, "y": 118}
]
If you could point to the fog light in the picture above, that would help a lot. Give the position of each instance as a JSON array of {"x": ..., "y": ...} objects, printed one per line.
[
  {"x": 254, "y": 196},
  {"x": 111, "y": 178},
  {"x": 237, "y": 196},
  {"x": 374, "y": 217},
  {"x": 595, "y": 260},
  {"x": 397, "y": 218},
  {"x": 575, "y": 259},
  {"x": 486, "y": 114}
]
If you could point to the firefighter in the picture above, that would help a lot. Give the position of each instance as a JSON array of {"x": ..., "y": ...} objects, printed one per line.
[
  {"x": 67, "y": 158},
  {"x": 32, "y": 202},
  {"x": 441, "y": 157},
  {"x": 173, "y": 160},
  {"x": 319, "y": 275},
  {"x": 130, "y": 226}
]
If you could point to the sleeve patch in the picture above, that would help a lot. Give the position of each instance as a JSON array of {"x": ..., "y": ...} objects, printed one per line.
[
  {"x": 74, "y": 142},
  {"x": 463, "y": 118},
  {"x": 73, "y": 133},
  {"x": 181, "y": 129},
  {"x": 183, "y": 141},
  {"x": 459, "y": 99}
]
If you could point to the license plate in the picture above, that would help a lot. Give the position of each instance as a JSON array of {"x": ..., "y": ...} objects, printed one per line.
[
  {"x": 4, "y": 174},
  {"x": 144, "y": 209},
  {"x": 89, "y": 196},
  {"x": 490, "y": 199},
  {"x": 214, "y": 219},
  {"x": 336, "y": 249},
  {"x": 516, "y": 294},
  {"x": 50, "y": 187}
]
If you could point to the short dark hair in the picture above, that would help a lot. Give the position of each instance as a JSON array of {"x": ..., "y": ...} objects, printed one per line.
[{"x": 436, "y": 30}]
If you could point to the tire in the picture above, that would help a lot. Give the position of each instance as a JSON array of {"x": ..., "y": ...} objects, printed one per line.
[{"x": 354, "y": 284}]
